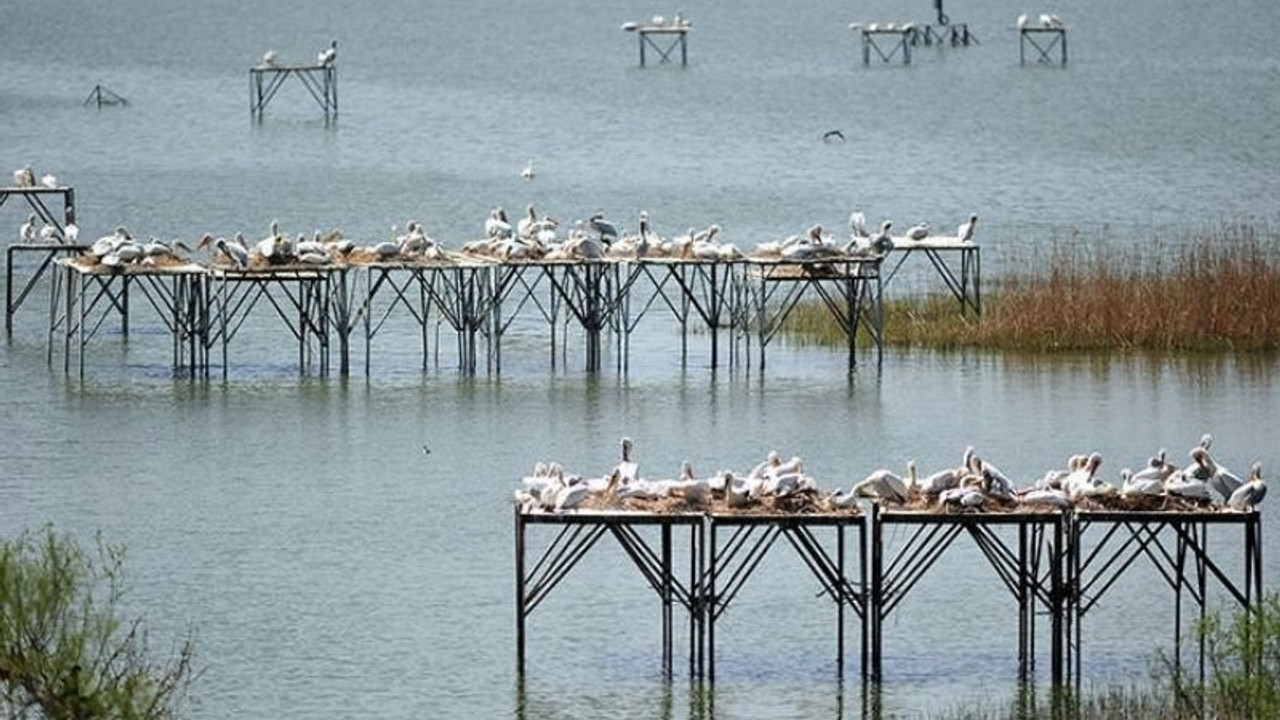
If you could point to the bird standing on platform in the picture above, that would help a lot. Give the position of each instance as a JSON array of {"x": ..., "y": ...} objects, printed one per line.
[
  {"x": 49, "y": 181},
  {"x": 881, "y": 242},
  {"x": 71, "y": 233},
  {"x": 919, "y": 231},
  {"x": 1022, "y": 21},
  {"x": 27, "y": 230},
  {"x": 270, "y": 59},
  {"x": 497, "y": 225},
  {"x": 604, "y": 229},
  {"x": 24, "y": 177},
  {"x": 858, "y": 224},
  {"x": 965, "y": 232},
  {"x": 1251, "y": 492},
  {"x": 328, "y": 55}
]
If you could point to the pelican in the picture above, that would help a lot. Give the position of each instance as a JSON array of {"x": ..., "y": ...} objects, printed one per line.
[
  {"x": 24, "y": 177},
  {"x": 919, "y": 231},
  {"x": 1022, "y": 21},
  {"x": 27, "y": 230},
  {"x": 71, "y": 232},
  {"x": 968, "y": 494},
  {"x": 49, "y": 181},
  {"x": 1157, "y": 469},
  {"x": 832, "y": 136},
  {"x": 1047, "y": 497},
  {"x": 497, "y": 226},
  {"x": 603, "y": 228},
  {"x": 881, "y": 242},
  {"x": 708, "y": 235},
  {"x": 858, "y": 224},
  {"x": 1137, "y": 485},
  {"x": 1081, "y": 480},
  {"x": 328, "y": 55},
  {"x": 629, "y": 469},
  {"x": 269, "y": 59},
  {"x": 1187, "y": 487},
  {"x": 234, "y": 251},
  {"x": 571, "y": 496},
  {"x": 528, "y": 172},
  {"x": 939, "y": 481},
  {"x": 642, "y": 246},
  {"x": 525, "y": 228},
  {"x": 883, "y": 484},
  {"x": 965, "y": 232},
  {"x": 998, "y": 484},
  {"x": 1251, "y": 492},
  {"x": 49, "y": 234}
]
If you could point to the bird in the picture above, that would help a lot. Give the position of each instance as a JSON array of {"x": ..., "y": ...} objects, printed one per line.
[
  {"x": 497, "y": 225},
  {"x": 328, "y": 55},
  {"x": 832, "y": 136},
  {"x": 24, "y": 177},
  {"x": 603, "y": 228},
  {"x": 528, "y": 172},
  {"x": 71, "y": 232},
  {"x": 882, "y": 484},
  {"x": 965, "y": 232},
  {"x": 881, "y": 242},
  {"x": 235, "y": 251},
  {"x": 525, "y": 228},
  {"x": 48, "y": 180},
  {"x": 269, "y": 59},
  {"x": 858, "y": 224},
  {"x": 27, "y": 230},
  {"x": 627, "y": 468},
  {"x": 919, "y": 231},
  {"x": 1022, "y": 21},
  {"x": 1251, "y": 492}
]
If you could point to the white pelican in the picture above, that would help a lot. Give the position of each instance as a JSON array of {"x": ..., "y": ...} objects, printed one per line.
[
  {"x": 1157, "y": 469},
  {"x": 1054, "y": 22},
  {"x": 71, "y": 232},
  {"x": 919, "y": 231},
  {"x": 969, "y": 493},
  {"x": 1134, "y": 486},
  {"x": 1224, "y": 482},
  {"x": 49, "y": 234},
  {"x": 1022, "y": 21},
  {"x": 525, "y": 228},
  {"x": 269, "y": 59},
  {"x": 1187, "y": 487},
  {"x": 27, "y": 230},
  {"x": 628, "y": 468},
  {"x": 571, "y": 496},
  {"x": 1251, "y": 492},
  {"x": 1081, "y": 480},
  {"x": 234, "y": 251},
  {"x": 883, "y": 484},
  {"x": 528, "y": 172},
  {"x": 998, "y": 484},
  {"x": 965, "y": 232},
  {"x": 1045, "y": 497},
  {"x": 1045, "y": 20},
  {"x": 24, "y": 177},
  {"x": 49, "y": 181},
  {"x": 328, "y": 55},
  {"x": 497, "y": 225},
  {"x": 937, "y": 482},
  {"x": 858, "y": 224}
]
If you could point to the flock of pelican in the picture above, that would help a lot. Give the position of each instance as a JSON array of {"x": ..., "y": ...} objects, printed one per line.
[
  {"x": 975, "y": 484},
  {"x": 533, "y": 237},
  {"x": 1047, "y": 21},
  {"x": 25, "y": 177}
]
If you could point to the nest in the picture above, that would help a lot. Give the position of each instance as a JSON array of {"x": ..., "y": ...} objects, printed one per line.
[{"x": 802, "y": 502}]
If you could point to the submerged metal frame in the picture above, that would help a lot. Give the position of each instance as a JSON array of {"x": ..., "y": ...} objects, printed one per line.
[{"x": 1058, "y": 37}]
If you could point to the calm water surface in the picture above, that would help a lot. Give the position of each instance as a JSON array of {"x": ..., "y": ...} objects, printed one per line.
[{"x": 331, "y": 566}]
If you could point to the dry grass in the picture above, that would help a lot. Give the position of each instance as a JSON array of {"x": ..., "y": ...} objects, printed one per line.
[{"x": 1216, "y": 292}]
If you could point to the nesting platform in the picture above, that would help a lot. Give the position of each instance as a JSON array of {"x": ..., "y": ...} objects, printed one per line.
[
  {"x": 957, "y": 262},
  {"x": 663, "y": 40},
  {"x": 35, "y": 197},
  {"x": 478, "y": 299},
  {"x": 1043, "y": 40},
  {"x": 1056, "y": 565},
  {"x": 320, "y": 80}
]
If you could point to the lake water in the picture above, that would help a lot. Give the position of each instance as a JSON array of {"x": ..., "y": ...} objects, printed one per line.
[{"x": 331, "y": 567}]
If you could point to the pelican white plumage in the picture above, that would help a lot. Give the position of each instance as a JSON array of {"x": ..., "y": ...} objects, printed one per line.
[
  {"x": 525, "y": 227},
  {"x": 528, "y": 173},
  {"x": 997, "y": 483},
  {"x": 1187, "y": 487},
  {"x": 71, "y": 232},
  {"x": 1251, "y": 492},
  {"x": 1080, "y": 482},
  {"x": 919, "y": 231},
  {"x": 964, "y": 233},
  {"x": 27, "y": 231},
  {"x": 1022, "y": 21},
  {"x": 858, "y": 225},
  {"x": 328, "y": 55},
  {"x": 883, "y": 484},
  {"x": 1157, "y": 468},
  {"x": 628, "y": 468},
  {"x": 1045, "y": 497},
  {"x": 1131, "y": 485},
  {"x": 49, "y": 181},
  {"x": 497, "y": 225},
  {"x": 270, "y": 59},
  {"x": 24, "y": 177}
]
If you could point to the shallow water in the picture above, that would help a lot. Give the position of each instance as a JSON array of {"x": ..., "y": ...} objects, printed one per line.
[{"x": 329, "y": 564}]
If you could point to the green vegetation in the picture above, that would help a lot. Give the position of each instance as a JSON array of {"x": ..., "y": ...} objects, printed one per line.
[
  {"x": 64, "y": 651},
  {"x": 1216, "y": 292},
  {"x": 1242, "y": 658}
]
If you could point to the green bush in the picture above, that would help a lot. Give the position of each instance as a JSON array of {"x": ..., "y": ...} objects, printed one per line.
[{"x": 65, "y": 653}]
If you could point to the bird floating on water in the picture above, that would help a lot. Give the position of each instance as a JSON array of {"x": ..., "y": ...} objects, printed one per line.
[{"x": 528, "y": 172}]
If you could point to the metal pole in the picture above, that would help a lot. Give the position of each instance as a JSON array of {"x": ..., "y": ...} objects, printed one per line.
[{"x": 520, "y": 596}]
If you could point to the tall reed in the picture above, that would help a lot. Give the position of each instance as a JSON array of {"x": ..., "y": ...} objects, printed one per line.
[{"x": 1219, "y": 291}]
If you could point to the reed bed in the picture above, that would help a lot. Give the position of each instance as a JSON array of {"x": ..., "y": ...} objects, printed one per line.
[{"x": 1218, "y": 291}]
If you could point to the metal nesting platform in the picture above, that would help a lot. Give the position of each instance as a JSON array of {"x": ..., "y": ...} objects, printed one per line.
[
  {"x": 958, "y": 262},
  {"x": 46, "y": 252},
  {"x": 1056, "y": 566},
  {"x": 477, "y": 300},
  {"x": 321, "y": 81}
]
